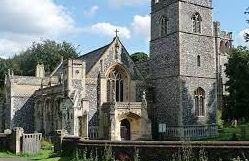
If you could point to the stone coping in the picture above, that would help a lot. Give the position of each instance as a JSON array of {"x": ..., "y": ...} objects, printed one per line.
[{"x": 205, "y": 144}]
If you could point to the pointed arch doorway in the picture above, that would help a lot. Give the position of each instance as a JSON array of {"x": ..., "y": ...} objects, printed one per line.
[{"x": 125, "y": 130}]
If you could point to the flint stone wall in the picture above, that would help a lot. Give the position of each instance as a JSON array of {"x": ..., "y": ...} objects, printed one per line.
[{"x": 156, "y": 151}]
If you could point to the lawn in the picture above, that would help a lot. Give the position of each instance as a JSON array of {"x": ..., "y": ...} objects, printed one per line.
[
  {"x": 7, "y": 155},
  {"x": 45, "y": 155},
  {"x": 232, "y": 134}
]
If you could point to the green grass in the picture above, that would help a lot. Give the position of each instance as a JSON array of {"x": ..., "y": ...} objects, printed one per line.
[
  {"x": 7, "y": 155},
  {"x": 46, "y": 154},
  {"x": 231, "y": 134}
]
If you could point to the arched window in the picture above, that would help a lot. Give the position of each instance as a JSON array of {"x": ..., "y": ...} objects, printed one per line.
[
  {"x": 199, "y": 102},
  {"x": 196, "y": 20},
  {"x": 163, "y": 26},
  {"x": 58, "y": 113},
  {"x": 198, "y": 61},
  {"x": 116, "y": 84}
]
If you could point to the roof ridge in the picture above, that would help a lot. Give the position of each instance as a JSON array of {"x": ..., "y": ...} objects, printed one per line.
[{"x": 95, "y": 50}]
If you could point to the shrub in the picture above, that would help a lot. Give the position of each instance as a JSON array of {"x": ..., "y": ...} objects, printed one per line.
[{"x": 220, "y": 121}]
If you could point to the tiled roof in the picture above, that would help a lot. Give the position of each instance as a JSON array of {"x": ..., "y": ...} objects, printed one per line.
[{"x": 92, "y": 57}]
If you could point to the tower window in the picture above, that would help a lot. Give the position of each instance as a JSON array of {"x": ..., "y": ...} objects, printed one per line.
[
  {"x": 163, "y": 26},
  {"x": 196, "y": 20},
  {"x": 199, "y": 102},
  {"x": 198, "y": 61}
]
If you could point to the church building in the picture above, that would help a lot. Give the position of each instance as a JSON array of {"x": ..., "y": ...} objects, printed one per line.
[{"x": 105, "y": 95}]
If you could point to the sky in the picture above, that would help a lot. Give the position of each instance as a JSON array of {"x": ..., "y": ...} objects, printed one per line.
[{"x": 90, "y": 24}]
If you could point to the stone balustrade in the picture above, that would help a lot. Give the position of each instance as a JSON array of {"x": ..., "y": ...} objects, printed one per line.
[
  {"x": 128, "y": 105},
  {"x": 194, "y": 131},
  {"x": 123, "y": 105}
]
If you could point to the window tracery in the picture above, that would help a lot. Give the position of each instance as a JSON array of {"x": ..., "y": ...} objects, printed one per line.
[
  {"x": 196, "y": 20},
  {"x": 116, "y": 84},
  {"x": 199, "y": 102}
]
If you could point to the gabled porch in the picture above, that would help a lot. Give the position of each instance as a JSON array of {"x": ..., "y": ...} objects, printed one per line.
[{"x": 126, "y": 121}]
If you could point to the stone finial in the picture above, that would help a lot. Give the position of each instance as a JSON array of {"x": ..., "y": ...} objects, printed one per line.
[
  {"x": 40, "y": 71},
  {"x": 144, "y": 101},
  {"x": 18, "y": 129},
  {"x": 61, "y": 78},
  {"x": 62, "y": 59},
  {"x": 5, "y": 79},
  {"x": 9, "y": 71},
  {"x": 144, "y": 95}
]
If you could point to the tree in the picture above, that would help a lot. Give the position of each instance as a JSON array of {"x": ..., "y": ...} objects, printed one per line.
[
  {"x": 139, "y": 57},
  {"x": 237, "y": 70},
  {"x": 247, "y": 34},
  {"x": 47, "y": 52}
]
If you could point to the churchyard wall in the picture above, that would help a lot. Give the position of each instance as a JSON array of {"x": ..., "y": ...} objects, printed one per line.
[
  {"x": 156, "y": 151},
  {"x": 17, "y": 141}
]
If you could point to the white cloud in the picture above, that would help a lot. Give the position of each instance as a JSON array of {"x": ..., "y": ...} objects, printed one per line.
[
  {"x": 91, "y": 12},
  {"x": 240, "y": 40},
  {"x": 107, "y": 29},
  {"x": 7, "y": 45},
  {"x": 141, "y": 26},
  {"x": 119, "y": 3},
  {"x": 23, "y": 21}
]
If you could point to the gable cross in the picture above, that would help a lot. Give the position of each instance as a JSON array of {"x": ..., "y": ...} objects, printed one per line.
[{"x": 116, "y": 31}]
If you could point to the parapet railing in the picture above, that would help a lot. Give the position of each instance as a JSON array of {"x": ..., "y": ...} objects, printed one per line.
[
  {"x": 193, "y": 131},
  {"x": 128, "y": 105},
  {"x": 123, "y": 105}
]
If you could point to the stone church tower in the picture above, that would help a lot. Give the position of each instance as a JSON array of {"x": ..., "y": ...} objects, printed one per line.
[{"x": 183, "y": 68}]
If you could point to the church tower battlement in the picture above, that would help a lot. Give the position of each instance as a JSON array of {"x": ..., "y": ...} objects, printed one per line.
[{"x": 159, "y": 4}]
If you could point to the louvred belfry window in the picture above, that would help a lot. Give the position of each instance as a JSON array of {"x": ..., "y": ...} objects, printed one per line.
[
  {"x": 163, "y": 26},
  {"x": 196, "y": 20}
]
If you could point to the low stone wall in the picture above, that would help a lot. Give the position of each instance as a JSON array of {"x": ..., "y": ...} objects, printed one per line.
[
  {"x": 17, "y": 142},
  {"x": 156, "y": 151},
  {"x": 4, "y": 142}
]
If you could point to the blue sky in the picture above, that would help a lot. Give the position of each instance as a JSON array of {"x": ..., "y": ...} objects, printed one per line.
[{"x": 91, "y": 23}]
